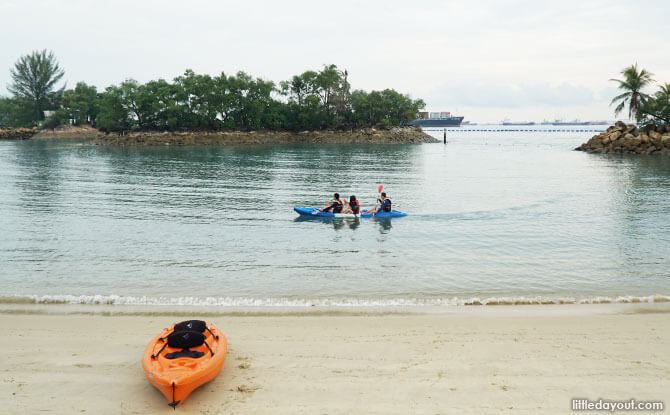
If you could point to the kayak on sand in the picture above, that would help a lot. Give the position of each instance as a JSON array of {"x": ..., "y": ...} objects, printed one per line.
[
  {"x": 183, "y": 357},
  {"x": 314, "y": 212}
]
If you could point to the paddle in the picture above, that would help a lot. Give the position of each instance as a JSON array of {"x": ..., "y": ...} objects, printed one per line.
[{"x": 379, "y": 193}]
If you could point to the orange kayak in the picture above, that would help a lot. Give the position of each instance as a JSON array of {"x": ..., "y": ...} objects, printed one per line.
[{"x": 183, "y": 357}]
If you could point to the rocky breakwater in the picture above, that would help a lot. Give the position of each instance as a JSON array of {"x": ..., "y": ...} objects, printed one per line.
[
  {"x": 623, "y": 138},
  {"x": 17, "y": 133},
  {"x": 399, "y": 135},
  {"x": 68, "y": 131}
]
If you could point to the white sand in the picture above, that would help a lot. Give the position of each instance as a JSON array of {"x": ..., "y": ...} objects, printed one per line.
[{"x": 478, "y": 360}]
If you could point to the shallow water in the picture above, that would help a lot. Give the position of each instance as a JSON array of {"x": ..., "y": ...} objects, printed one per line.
[{"x": 492, "y": 215}]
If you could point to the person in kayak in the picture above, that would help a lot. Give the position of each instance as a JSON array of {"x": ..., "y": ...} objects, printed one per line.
[
  {"x": 384, "y": 204},
  {"x": 354, "y": 207},
  {"x": 335, "y": 205}
]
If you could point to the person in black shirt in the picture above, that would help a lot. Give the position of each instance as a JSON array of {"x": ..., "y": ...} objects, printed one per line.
[
  {"x": 385, "y": 204},
  {"x": 335, "y": 205}
]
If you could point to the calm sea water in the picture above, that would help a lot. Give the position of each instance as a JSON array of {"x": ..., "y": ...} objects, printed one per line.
[{"x": 494, "y": 216}]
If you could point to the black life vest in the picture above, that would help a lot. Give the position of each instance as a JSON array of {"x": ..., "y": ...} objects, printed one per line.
[
  {"x": 386, "y": 207},
  {"x": 355, "y": 206},
  {"x": 337, "y": 206}
]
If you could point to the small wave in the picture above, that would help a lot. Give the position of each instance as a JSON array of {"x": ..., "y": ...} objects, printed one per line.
[{"x": 321, "y": 302}]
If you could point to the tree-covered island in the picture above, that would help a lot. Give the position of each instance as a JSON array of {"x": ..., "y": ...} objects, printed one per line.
[{"x": 313, "y": 100}]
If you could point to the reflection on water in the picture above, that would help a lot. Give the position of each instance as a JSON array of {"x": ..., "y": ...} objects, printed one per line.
[
  {"x": 496, "y": 216},
  {"x": 336, "y": 223}
]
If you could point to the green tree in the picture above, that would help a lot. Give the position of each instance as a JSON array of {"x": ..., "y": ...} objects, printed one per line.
[
  {"x": 79, "y": 104},
  {"x": 112, "y": 114},
  {"x": 657, "y": 107},
  {"x": 633, "y": 82},
  {"x": 34, "y": 79},
  {"x": 13, "y": 113}
]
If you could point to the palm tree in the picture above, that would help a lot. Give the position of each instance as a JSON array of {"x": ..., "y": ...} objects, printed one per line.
[{"x": 632, "y": 83}]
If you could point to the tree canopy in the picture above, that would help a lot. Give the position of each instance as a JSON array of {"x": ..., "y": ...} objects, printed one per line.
[
  {"x": 645, "y": 108},
  {"x": 632, "y": 83},
  {"x": 34, "y": 79},
  {"x": 311, "y": 100}
]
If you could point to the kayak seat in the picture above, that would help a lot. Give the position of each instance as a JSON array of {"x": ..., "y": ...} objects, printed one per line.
[
  {"x": 184, "y": 340},
  {"x": 191, "y": 325}
]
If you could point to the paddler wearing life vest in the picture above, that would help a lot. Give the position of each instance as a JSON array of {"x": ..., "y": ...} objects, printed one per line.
[
  {"x": 354, "y": 207},
  {"x": 335, "y": 205},
  {"x": 384, "y": 204}
]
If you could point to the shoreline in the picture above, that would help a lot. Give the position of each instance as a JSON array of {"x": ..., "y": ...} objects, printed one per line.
[
  {"x": 395, "y": 135},
  {"x": 326, "y": 302},
  {"x": 111, "y": 310},
  {"x": 391, "y": 135},
  {"x": 529, "y": 360}
]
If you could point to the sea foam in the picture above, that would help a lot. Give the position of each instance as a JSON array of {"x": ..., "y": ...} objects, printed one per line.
[{"x": 322, "y": 302}]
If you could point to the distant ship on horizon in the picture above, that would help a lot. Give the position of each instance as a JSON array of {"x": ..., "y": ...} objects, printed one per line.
[
  {"x": 437, "y": 119},
  {"x": 574, "y": 122},
  {"x": 508, "y": 122}
]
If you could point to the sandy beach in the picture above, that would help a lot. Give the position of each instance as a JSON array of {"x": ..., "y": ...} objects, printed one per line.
[{"x": 513, "y": 359}]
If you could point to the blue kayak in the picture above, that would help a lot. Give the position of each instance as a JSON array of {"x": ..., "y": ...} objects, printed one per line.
[{"x": 314, "y": 212}]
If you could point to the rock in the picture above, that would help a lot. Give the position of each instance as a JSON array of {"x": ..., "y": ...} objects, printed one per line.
[
  {"x": 629, "y": 135},
  {"x": 606, "y": 140},
  {"x": 665, "y": 140},
  {"x": 17, "y": 133},
  {"x": 654, "y": 135},
  {"x": 615, "y": 135},
  {"x": 621, "y": 125},
  {"x": 630, "y": 142},
  {"x": 632, "y": 129},
  {"x": 644, "y": 138},
  {"x": 594, "y": 143}
]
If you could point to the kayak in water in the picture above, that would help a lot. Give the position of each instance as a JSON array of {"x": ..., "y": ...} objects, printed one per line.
[{"x": 314, "y": 212}]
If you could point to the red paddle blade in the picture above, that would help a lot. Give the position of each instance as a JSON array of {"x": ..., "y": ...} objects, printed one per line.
[{"x": 381, "y": 186}]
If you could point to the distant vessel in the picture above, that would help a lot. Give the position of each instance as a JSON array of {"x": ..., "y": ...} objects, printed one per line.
[
  {"x": 575, "y": 122},
  {"x": 437, "y": 119},
  {"x": 507, "y": 122}
]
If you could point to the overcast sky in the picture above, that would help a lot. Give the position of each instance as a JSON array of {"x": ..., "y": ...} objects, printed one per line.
[{"x": 486, "y": 60}]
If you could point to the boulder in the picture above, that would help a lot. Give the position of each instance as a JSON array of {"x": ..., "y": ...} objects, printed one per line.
[
  {"x": 629, "y": 135},
  {"x": 665, "y": 140},
  {"x": 621, "y": 125},
  {"x": 632, "y": 129},
  {"x": 594, "y": 143},
  {"x": 655, "y": 135},
  {"x": 644, "y": 138},
  {"x": 631, "y": 142},
  {"x": 615, "y": 135}
]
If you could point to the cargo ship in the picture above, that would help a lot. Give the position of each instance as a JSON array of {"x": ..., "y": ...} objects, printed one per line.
[
  {"x": 437, "y": 119},
  {"x": 506, "y": 122}
]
